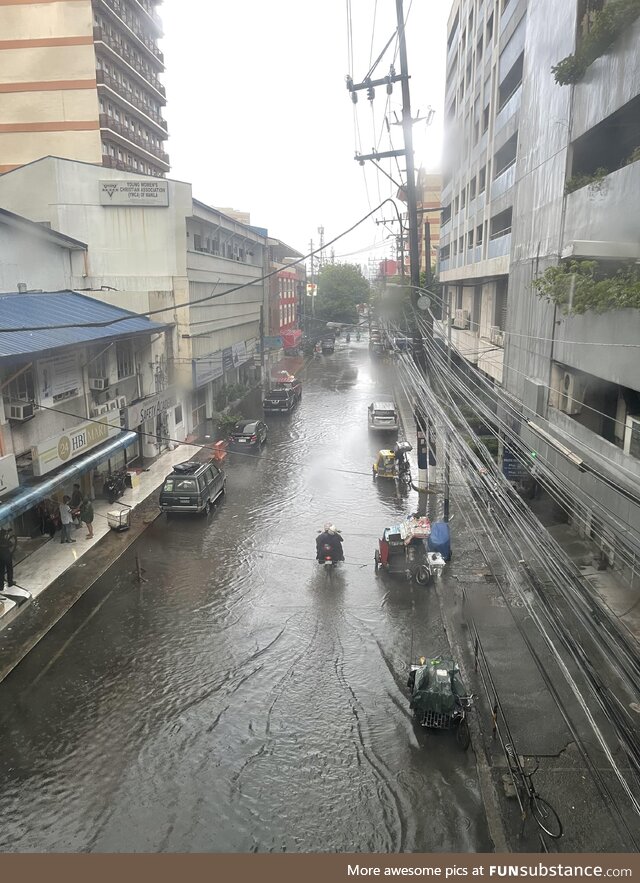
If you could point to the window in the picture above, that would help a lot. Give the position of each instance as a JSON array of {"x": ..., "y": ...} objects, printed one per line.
[
  {"x": 506, "y": 156},
  {"x": 124, "y": 357},
  {"x": 485, "y": 118},
  {"x": 461, "y": 245},
  {"x": 470, "y": 239},
  {"x": 482, "y": 179},
  {"x": 479, "y": 236},
  {"x": 501, "y": 224},
  {"x": 479, "y": 48},
  {"x": 489, "y": 28},
  {"x": 178, "y": 414},
  {"x": 472, "y": 188},
  {"x": 463, "y": 197},
  {"x": 21, "y": 388},
  {"x": 456, "y": 205}
]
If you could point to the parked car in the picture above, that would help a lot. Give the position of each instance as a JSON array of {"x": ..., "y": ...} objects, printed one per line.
[
  {"x": 248, "y": 434},
  {"x": 384, "y": 416},
  {"x": 193, "y": 487},
  {"x": 285, "y": 395}
]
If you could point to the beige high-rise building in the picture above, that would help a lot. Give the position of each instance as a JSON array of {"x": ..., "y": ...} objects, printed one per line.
[{"x": 80, "y": 79}]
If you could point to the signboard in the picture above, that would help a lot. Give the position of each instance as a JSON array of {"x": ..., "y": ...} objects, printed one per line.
[
  {"x": 206, "y": 369},
  {"x": 150, "y": 192},
  {"x": 60, "y": 449},
  {"x": 150, "y": 408},
  {"x": 59, "y": 379},
  {"x": 227, "y": 359},
  {"x": 239, "y": 351},
  {"x": 512, "y": 468},
  {"x": 272, "y": 343},
  {"x": 8, "y": 474},
  {"x": 252, "y": 347}
]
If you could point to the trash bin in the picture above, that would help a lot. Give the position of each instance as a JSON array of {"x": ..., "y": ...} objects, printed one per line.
[{"x": 119, "y": 520}]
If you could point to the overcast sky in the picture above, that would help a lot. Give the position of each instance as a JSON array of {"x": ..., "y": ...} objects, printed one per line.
[{"x": 260, "y": 118}]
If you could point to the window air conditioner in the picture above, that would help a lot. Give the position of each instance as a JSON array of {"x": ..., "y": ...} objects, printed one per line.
[
  {"x": 572, "y": 393},
  {"x": 496, "y": 335},
  {"x": 111, "y": 405},
  {"x": 99, "y": 383},
  {"x": 23, "y": 411},
  {"x": 122, "y": 402},
  {"x": 461, "y": 319},
  {"x": 632, "y": 436}
]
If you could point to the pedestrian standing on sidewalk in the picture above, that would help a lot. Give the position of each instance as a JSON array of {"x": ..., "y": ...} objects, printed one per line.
[
  {"x": 67, "y": 520},
  {"x": 86, "y": 515},
  {"x": 6, "y": 559},
  {"x": 75, "y": 504}
]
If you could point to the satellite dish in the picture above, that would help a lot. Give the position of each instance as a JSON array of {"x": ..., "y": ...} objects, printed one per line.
[{"x": 424, "y": 303}]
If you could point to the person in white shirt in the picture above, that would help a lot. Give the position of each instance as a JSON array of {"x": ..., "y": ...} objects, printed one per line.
[{"x": 67, "y": 520}]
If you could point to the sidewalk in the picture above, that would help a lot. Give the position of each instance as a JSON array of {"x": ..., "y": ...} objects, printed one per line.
[
  {"x": 59, "y": 575},
  {"x": 519, "y": 664},
  {"x": 51, "y": 560}
]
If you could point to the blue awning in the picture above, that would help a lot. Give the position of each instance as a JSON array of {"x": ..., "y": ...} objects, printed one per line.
[{"x": 27, "y": 497}]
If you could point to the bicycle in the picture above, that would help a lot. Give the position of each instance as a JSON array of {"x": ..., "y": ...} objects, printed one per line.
[{"x": 544, "y": 814}]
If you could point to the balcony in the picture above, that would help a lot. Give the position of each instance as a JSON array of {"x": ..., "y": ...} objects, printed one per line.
[
  {"x": 117, "y": 10},
  {"x": 604, "y": 215},
  {"x": 110, "y": 124},
  {"x": 104, "y": 79},
  {"x": 509, "y": 108},
  {"x": 150, "y": 16},
  {"x": 503, "y": 182},
  {"x": 110, "y": 162},
  {"x": 499, "y": 244},
  {"x": 122, "y": 53}
]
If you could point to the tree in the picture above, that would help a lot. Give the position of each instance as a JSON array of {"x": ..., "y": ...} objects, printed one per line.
[{"x": 340, "y": 288}]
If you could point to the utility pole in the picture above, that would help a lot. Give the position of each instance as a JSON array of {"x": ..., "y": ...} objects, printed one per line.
[
  {"x": 312, "y": 278},
  {"x": 321, "y": 260},
  {"x": 407, "y": 129}
]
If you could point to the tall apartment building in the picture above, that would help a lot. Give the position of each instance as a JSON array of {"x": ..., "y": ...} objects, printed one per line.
[
  {"x": 541, "y": 173},
  {"x": 80, "y": 79}
]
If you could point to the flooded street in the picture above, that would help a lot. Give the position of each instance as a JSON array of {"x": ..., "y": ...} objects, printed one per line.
[{"x": 242, "y": 700}]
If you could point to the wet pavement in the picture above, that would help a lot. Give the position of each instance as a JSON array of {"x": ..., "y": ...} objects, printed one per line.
[{"x": 241, "y": 699}]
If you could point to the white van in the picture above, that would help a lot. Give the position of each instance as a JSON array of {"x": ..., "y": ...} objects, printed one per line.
[{"x": 383, "y": 416}]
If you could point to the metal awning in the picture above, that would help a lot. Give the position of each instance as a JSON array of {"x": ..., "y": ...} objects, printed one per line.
[{"x": 27, "y": 497}]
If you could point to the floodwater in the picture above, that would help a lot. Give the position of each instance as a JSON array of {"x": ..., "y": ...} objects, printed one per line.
[{"x": 241, "y": 699}]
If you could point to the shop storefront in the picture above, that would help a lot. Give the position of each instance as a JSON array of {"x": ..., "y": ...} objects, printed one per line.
[
  {"x": 153, "y": 419},
  {"x": 73, "y": 457}
]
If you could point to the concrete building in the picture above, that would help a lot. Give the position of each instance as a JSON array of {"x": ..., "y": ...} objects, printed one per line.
[
  {"x": 153, "y": 247},
  {"x": 80, "y": 79},
  {"x": 35, "y": 257},
  {"x": 429, "y": 187},
  {"x": 541, "y": 173},
  {"x": 286, "y": 292},
  {"x": 77, "y": 402}
]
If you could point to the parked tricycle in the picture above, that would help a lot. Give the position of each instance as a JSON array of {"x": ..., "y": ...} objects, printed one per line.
[
  {"x": 403, "y": 549},
  {"x": 438, "y": 698}
]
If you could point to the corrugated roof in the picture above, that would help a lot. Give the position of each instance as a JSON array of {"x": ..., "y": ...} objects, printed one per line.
[{"x": 41, "y": 312}]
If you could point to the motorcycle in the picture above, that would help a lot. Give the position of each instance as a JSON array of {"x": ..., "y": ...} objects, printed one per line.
[
  {"x": 115, "y": 486},
  {"x": 330, "y": 554}
]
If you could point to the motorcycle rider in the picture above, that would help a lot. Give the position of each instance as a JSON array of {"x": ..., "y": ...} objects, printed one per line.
[{"x": 329, "y": 537}]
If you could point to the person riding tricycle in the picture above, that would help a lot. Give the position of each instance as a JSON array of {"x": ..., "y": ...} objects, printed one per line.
[{"x": 393, "y": 463}]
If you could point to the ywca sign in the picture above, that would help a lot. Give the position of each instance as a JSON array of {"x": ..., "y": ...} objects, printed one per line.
[
  {"x": 150, "y": 408},
  {"x": 154, "y": 192}
]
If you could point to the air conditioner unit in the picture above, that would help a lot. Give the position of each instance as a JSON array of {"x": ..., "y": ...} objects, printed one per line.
[
  {"x": 496, "y": 335},
  {"x": 111, "y": 405},
  {"x": 461, "y": 319},
  {"x": 99, "y": 383},
  {"x": 121, "y": 402},
  {"x": 632, "y": 436},
  {"x": 572, "y": 392},
  {"x": 23, "y": 411},
  {"x": 99, "y": 410}
]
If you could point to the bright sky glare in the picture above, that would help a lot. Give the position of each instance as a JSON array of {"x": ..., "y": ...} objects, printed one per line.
[{"x": 260, "y": 119}]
